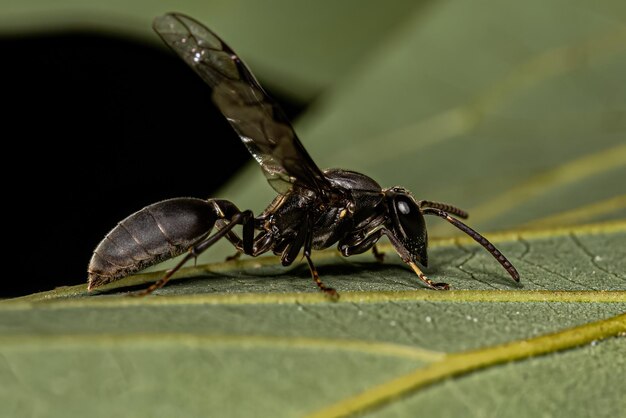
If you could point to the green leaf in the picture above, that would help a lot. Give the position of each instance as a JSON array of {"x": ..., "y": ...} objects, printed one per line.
[
  {"x": 515, "y": 111},
  {"x": 228, "y": 339}
]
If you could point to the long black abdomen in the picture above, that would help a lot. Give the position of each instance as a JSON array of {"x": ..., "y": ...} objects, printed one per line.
[{"x": 155, "y": 233}]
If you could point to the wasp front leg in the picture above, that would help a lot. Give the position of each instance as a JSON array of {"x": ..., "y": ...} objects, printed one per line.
[
  {"x": 411, "y": 260},
  {"x": 359, "y": 243},
  {"x": 355, "y": 244},
  {"x": 363, "y": 239}
]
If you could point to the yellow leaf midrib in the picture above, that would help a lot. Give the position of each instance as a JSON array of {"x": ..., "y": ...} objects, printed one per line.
[
  {"x": 310, "y": 298},
  {"x": 465, "y": 362}
]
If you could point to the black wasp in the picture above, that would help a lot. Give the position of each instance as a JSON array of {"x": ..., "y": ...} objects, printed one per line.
[{"x": 314, "y": 209}]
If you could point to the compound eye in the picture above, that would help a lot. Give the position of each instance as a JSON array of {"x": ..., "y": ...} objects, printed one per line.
[{"x": 409, "y": 216}]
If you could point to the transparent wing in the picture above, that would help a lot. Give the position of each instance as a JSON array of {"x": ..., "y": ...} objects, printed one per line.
[{"x": 257, "y": 118}]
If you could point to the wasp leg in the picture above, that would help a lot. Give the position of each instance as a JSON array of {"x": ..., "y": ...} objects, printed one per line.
[
  {"x": 259, "y": 244},
  {"x": 405, "y": 255},
  {"x": 359, "y": 243},
  {"x": 378, "y": 255},
  {"x": 235, "y": 256},
  {"x": 332, "y": 293},
  {"x": 356, "y": 244},
  {"x": 229, "y": 209},
  {"x": 429, "y": 283},
  {"x": 305, "y": 238},
  {"x": 244, "y": 218}
]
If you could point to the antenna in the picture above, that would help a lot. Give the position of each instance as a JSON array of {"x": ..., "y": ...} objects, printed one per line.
[
  {"x": 476, "y": 236},
  {"x": 443, "y": 206}
]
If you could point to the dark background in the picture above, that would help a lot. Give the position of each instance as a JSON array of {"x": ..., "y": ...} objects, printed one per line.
[{"x": 95, "y": 128}]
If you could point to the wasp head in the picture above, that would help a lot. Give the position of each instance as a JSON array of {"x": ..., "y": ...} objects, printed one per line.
[{"x": 407, "y": 225}]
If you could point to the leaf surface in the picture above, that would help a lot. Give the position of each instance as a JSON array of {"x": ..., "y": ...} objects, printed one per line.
[
  {"x": 220, "y": 331},
  {"x": 490, "y": 106}
]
